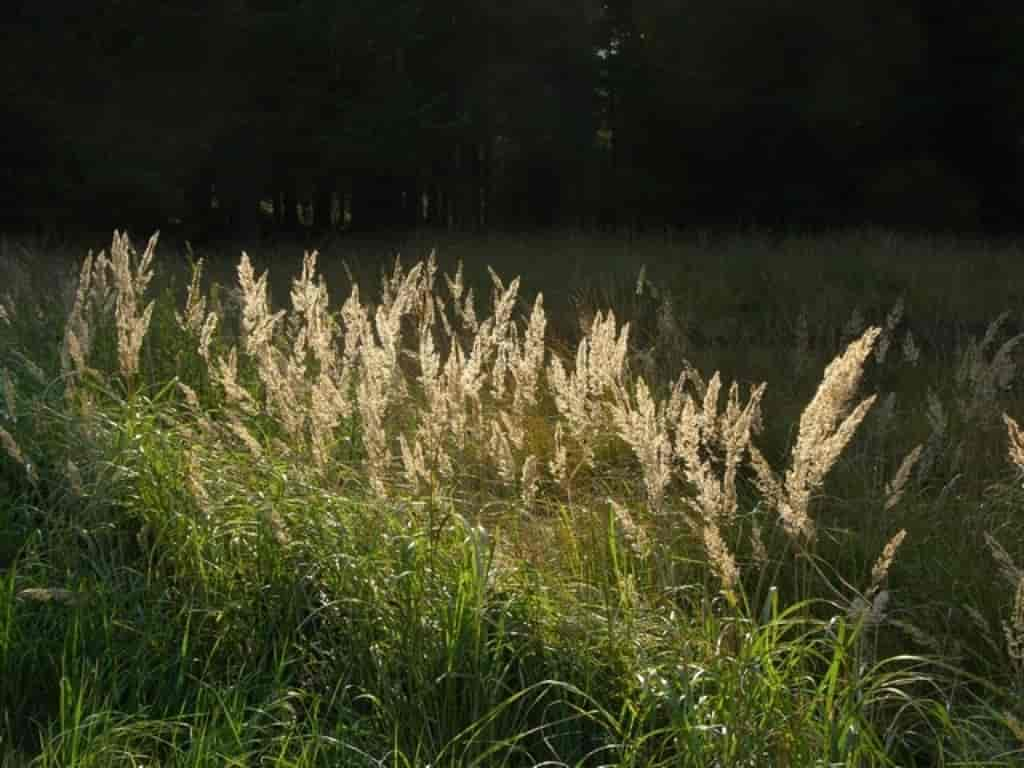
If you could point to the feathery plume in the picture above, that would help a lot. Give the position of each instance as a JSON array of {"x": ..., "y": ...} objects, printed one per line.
[
  {"x": 870, "y": 612},
  {"x": 1007, "y": 567},
  {"x": 885, "y": 560},
  {"x": 892, "y": 320},
  {"x": 195, "y": 320},
  {"x": 242, "y": 432},
  {"x": 529, "y": 361},
  {"x": 911, "y": 352},
  {"x": 131, "y": 278},
  {"x": 894, "y": 490},
  {"x": 51, "y": 595},
  {"x": 702, "y": 433},
  {"x": 980, "y": 378},
  {"x": 500, "y": 449},
  {"x": 77, "y": 340},
  {"x": 559, "y": 463},
  {"x": 1016, "y": 437},
  {"x": 632, "y": 533},
  {"x": 1015, "y": 725},
  {"x": 1014, "y": 628},
  {"x": 581, "y": 395},
  {"x": 642, "y": 427},
  {"x": 226, "y": 374},
  {"x": 195, "y": 480},
  {"x": 722, "y": 561},
  {"x": 194, "y": 315},
  {"x": 826, "y": 426},
  {"x": 14, "y": 451},
  {"x": 641, "y": 279},
  {"x": 822, "y": 436}
]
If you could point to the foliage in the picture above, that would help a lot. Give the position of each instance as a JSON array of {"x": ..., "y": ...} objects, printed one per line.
[
  {"x": 413, "y": 531},
  {"x": 626, "y": 115}
]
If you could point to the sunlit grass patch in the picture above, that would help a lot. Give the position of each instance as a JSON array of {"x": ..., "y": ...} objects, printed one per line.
[{"x": 427, "y": 524}]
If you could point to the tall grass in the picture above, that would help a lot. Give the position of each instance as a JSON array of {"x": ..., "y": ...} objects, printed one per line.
[{"x": 437, "y": 525}]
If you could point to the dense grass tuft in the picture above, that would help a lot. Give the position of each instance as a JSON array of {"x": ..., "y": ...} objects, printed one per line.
[{"x": 445, "y": 523}]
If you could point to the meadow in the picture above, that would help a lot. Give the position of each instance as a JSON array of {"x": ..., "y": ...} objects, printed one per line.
[{"x": 559, "y": 501}]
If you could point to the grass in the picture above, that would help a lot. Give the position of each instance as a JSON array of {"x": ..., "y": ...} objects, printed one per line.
[{"x": 448, "y": 520}]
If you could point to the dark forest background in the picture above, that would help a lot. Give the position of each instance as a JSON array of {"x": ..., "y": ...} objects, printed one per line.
[{"x": 248, "y": 118}]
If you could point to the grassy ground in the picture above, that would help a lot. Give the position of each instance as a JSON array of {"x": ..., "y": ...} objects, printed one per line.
[{"x": 269, "y": 520}]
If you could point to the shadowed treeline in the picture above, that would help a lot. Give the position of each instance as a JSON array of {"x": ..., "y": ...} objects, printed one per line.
[{"x": 241, "y": 118}]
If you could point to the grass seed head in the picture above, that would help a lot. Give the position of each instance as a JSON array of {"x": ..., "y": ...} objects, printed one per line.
[
  {"x": 885, "y": 560},
  {"x": 894, "y": 490}
]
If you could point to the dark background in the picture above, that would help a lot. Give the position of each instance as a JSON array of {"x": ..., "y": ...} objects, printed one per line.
[{"x": 257, "y": 118}]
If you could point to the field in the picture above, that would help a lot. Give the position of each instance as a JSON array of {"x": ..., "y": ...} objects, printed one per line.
[{"x": 710, "y": 501}]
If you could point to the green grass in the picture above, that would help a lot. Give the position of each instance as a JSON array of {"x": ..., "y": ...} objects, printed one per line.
[{"x": 170, "y": 598}]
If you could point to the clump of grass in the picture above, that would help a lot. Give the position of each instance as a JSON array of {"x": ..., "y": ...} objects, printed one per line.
[{"x": 317, "y": 535}]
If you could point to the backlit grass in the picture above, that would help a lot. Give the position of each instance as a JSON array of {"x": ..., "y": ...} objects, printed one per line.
[{"x": 447, "y": 518}]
